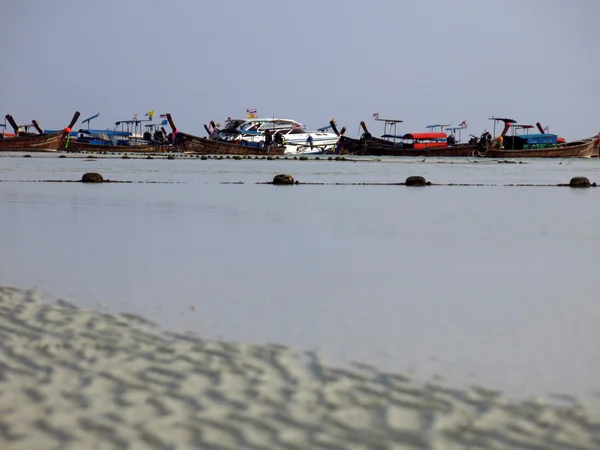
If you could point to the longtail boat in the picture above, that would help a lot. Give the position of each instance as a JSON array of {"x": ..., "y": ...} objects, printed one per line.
[
  {"x": 390, "y": 143},
  {"x": 188, "y": 143},
  {"x": 43, "y": 142},
  {"x": 538, "y": 145},
  {"x": 100, "y": 142},
  {"x": 125, "y": 140}
]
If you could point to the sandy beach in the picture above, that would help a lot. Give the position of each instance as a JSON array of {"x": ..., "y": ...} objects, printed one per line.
[{"x": 72, "y": 378}]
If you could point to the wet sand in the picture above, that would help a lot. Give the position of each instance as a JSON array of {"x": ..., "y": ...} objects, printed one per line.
[{"x": 72, "y": 378}]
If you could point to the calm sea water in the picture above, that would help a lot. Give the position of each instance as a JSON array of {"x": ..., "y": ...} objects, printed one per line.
[{"x": 494, "y": 286}]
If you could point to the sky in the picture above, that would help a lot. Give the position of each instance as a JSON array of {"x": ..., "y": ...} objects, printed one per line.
[{"x": 420, "y": 61}]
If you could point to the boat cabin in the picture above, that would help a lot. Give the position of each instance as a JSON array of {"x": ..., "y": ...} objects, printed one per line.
[
  {"x": 103, "y": 137},
  {"x": 530, "y": 141}
]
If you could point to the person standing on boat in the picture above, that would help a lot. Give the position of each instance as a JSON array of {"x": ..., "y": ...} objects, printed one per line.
[
  {"x": 268, "y": 140},
  {"x": 215, "y": 132},
  {"x": 309, "y": 139}
]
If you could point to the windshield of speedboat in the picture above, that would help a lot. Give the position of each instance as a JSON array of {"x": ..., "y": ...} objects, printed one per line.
[
  {"x": 250, "y": 126},
  {"x": 275, "y": 126}
]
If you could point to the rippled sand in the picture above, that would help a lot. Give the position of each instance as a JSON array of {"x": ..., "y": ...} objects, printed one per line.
[{"x": 77, "y": 379}]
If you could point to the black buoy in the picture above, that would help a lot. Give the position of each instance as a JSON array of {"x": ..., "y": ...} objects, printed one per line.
[
  {"x": 283, "y": 178},
  {"x": 579, "y": 182},
  {"x": 92, "y": 177},
  {"x": 416, "y": 181}
]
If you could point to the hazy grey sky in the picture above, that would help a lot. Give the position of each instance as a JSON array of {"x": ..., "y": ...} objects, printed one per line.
[{"x": 422, "y": 61}]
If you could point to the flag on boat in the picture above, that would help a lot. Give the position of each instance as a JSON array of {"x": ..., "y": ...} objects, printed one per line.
[
  {"x": 251, "y": 112},
  {"x": 162, "y": 116},
  {"x": 375, "y": 115},
  {"x": 463, "y": 123},
  {"x": 150, "y": 114}
]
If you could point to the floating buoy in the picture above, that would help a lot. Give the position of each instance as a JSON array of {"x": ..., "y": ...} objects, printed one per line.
[
  {"x": 283, "y": 178},
  {"x": 92, "y": 177},
  {"x": 579, "y": 182},
  {"x": 416, "y": 181}
]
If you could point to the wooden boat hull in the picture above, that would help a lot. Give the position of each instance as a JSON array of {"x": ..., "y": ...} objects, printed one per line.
[
  {"x": 586, "y": 148},
  {"x": 40, "y": 143},
  {"x": 203, "y": 146},
  {"x": 75, "y": 146},
  {"x": 379, "y": 147}
]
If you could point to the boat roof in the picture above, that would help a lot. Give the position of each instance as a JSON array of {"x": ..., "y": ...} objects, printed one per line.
[
  {"x": 456, "y": 128},
  {"x": 438, "y": 125},
  {"x": 504, "y": 119},
  {"x": 515, "y": 125},
  {"x": 107, "y": 132},
  {"x": 390, "y": 120},
  {"x": 324, "y": 128},
  {"x": 267, "y": 120},
  {"x": 127, "y": 121},
  {"x": 90, "y": 118},
  {"x": 425, "y": 136}
]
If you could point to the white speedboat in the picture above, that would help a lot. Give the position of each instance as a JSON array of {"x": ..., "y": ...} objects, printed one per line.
[{"x": 296, "y": 139}]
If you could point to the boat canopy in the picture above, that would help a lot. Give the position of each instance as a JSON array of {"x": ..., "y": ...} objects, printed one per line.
[
  {"x": 423, "y": 136},
  {"x": 136, "y": 122},
  {"x": 527, "y": 141},
  {"x": 389, "y": 120},
  {"x": 503, "y": 119},
  {"x": 105, "y": 132},
  {"x": 532, "y": 139}
]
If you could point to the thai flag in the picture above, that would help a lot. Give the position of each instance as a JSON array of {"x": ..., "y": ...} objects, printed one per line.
[
  {"x": 375, "y": 115},
  {"x": 463, "y": 123},
  {"x": 162, "y": 116},
  {"x": 251, "y": 110}
]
